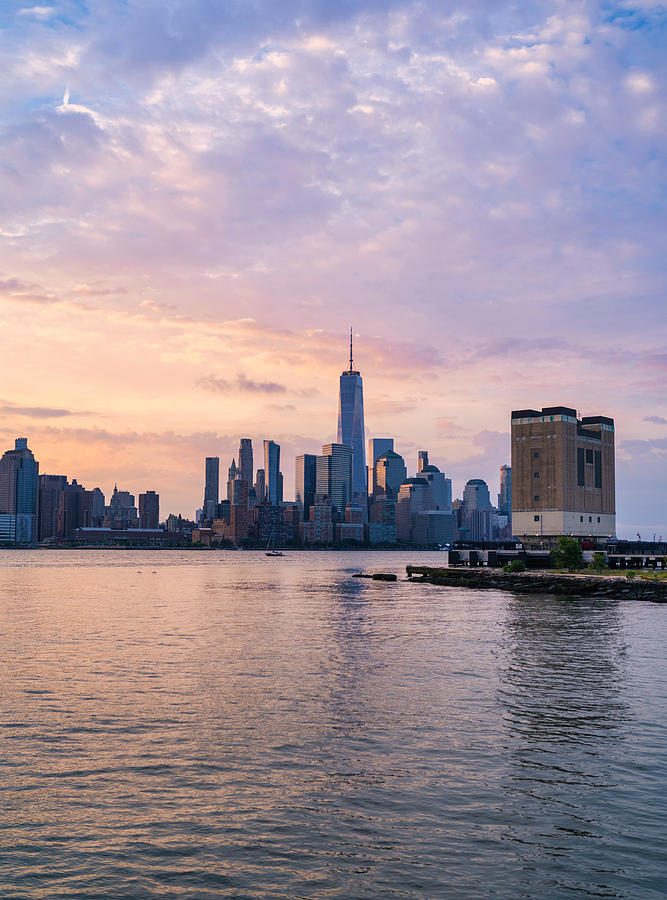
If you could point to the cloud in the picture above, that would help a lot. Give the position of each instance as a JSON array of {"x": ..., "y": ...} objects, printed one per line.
[
  {"x": 38, "y": 12},
  {"x": 241, "y": 383},
  {"x": 39, "y": 412},
  {"x": 656, "y": 420}
]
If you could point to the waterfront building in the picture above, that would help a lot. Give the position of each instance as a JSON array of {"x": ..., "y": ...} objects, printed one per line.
[
  {"x": 376, "y": 447},
  {"x": 246, "y": 469},
  {"x": 211, "y": 486},
  {"x": 19, "y": 489},
  {"x": 273, "y": 475},
  {"x": 352, "y": 529},
  {"x": 434, "y": 526},
  {"x": 351, "y": 426},
  {"x": 390, "y": 473},
  {"x": 563, "y": 474},
  {"x": 334, "y": 477},
  {"x": 319, "y": 528},
  {"x": 305, "y": 482},
  {"x": 95, "y": 501},
  {"x": 50, "y": 487},
  {"x": 149, "y": 510}
]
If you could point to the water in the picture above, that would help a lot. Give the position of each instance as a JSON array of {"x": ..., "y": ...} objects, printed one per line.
[{"x": 240, "y": 726}]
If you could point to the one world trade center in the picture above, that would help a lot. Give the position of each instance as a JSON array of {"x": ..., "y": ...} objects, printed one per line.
[{"x": 351, "y": 426}]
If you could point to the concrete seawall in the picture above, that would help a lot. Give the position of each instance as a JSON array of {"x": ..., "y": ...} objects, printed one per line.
[{"x": 543, "y": 583}]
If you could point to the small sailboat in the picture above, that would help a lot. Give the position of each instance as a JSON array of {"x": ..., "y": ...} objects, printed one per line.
[{"x": 270, "y": 549}]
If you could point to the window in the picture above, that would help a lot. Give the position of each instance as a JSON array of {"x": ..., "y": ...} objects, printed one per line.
[
  {"x": 598, "y": 518},
  {"x": 536, "y": 474},
  {"x": 590, "y": 518},
  {"x": 589, "y": 457},
  {"x": 536, "y": 454},
  {"x": 598, "y": 469},
  {"x": 581, "y": 477},
  {"x": 536, "y": 497},
  {"x": 581, "y": 518},
  {"x": 536, "y": 518}
]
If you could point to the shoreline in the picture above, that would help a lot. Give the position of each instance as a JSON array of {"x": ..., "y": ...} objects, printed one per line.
[{"x": 543, "y": 582}]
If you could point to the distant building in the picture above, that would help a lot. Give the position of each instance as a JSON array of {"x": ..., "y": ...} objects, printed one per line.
[
  {"x": 422, "y": 461},
  {"x": 246, "y": 469},
  {"x": 121, "y": 511},
  {"x": 414, "y": 496},
  {"x": 231, "y": 477},
  {"x": 305, "y": 482},
  {"x": 505, "y": 494},
  {"x": 390, "y": 473},
  {"x": 149, "y": 510},
  {"x": 376, "y": 447},
  {"x": 19, "y": 485},
  {"x": 260, "y": 486},
  {"x": 319, "y": 528},
  {"x": 476, "y": 494},
  {"x": 441, "y": 487},
  {"x": 352, "y": 529},
  {"x": 211, "y": 486},
  {"x": 50, "y": 487},
  {"x": 334, "y": 477},
  {"x": 563, "y": 474},
  {"x": 273, "y": 475},
  {"x": 351, "y": 425}
]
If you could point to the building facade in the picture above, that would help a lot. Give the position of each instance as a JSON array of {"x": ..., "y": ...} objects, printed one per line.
[
  {"x": 305, "y": 483},
  {"x": 149, "y": 510},
  {"x": 272, "y": 473},
  {"x": 376, "y": 447},
  {"x": 334, "y": 477},
  {"x": 563, "y": 474}
]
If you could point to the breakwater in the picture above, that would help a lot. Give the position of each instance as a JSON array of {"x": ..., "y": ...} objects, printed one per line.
[{"x": 543, "y": 583}]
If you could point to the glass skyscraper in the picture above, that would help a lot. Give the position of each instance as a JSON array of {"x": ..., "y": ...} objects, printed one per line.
[
  {"x": 19, "y": 481},
  {"x": 351, "y": 424}
]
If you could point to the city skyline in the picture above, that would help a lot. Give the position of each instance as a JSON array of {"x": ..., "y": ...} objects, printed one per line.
[{"x": 187, "y": 234}]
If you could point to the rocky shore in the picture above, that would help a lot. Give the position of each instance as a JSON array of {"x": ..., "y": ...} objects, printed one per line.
[{"x": 544, "y": 582}]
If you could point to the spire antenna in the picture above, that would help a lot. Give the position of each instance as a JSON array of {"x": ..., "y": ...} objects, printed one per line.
[{"x": 351, "y": 365}]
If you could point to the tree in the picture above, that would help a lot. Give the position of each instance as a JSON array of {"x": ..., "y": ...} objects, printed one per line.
[
  {"x": 568, "y": 554},
  {"x": 599, "y": 562}
]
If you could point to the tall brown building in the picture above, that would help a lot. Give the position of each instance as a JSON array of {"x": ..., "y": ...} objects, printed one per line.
[
  {"x": 149, "y": 510},
  {"x": 562, "y": 474}
]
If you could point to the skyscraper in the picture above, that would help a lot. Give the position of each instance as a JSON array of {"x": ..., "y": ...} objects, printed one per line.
[
  {"x": 390, "y": 473},
  {"x": 245, "y": 460},
  {"x": 422, "y": 460},
  {"x": 260, "y": 486},
  {"x": 231, "y": 476},
  {"x": 334, "y": 476},
  {"x": 306, "y": 481},
  {"x": 272, "y": 474},
  {"x": 505, "y": 495},
  {"x": 19, "y": 482},
  {"x": 351, "y": 425},
  {"x": 149, "y": 510},
  {"x": 50, "y": 487},
  {"x": 563, "y": 479},
  {"x": 376, "y": 447},
  {"x": 211, "y": 486}
]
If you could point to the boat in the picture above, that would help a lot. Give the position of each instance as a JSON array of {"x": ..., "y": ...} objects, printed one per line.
[{"x": 270, "y": 549}]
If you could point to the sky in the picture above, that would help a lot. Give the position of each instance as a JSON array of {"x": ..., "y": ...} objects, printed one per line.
[{"x": 197, "y": 200}]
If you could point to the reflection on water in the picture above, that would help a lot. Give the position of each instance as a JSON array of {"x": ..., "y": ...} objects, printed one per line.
[{"x": 239, "y": 726}]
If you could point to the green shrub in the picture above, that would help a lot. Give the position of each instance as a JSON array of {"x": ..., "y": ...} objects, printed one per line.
[
  {"x": 517, "y": 565},
  {"x": 630, "y": 574}
]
